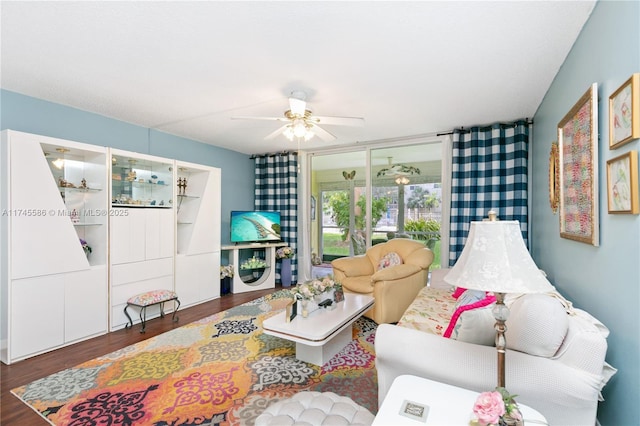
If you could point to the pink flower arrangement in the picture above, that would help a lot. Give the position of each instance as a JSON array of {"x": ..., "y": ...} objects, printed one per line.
[
  {"x": 492, "y": 408},
  {"x": 489, "y": 407}
]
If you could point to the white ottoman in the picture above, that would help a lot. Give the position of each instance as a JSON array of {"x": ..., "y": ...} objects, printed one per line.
[{"x": 314, "y": 409}]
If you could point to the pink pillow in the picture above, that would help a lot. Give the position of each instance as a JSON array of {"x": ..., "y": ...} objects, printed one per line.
[
  {"x": 481, "y": 303},
  {"x": 458, "y": 292}
]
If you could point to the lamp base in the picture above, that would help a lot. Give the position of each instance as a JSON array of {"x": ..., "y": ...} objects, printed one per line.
[{"x": 500, "y": 313}]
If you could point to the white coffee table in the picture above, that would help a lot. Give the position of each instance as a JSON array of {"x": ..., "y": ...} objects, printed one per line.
[
  {"x": 447, "y": 405},
  {"x": 324, "y": 332}
]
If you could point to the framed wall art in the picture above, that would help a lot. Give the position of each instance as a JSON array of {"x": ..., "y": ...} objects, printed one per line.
[
  {"x": 578, "y": 170},
  {"x": 624, "y": 113},
  {"x": 622, "y": 183},
  {"x": 554, "y": 187}
]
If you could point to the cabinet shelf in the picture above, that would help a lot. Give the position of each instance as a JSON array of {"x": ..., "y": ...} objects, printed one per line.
[
  {"x": 86, "y": 224},
  {"x": 145, "y": 206},
  {"x": 137, "y": 183},
  {"x": 188, "y": 196},
  {"x": 79, "y": 189}
]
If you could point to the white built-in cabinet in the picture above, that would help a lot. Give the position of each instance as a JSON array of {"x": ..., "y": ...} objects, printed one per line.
[
  {"x": 142, "y": 229},
  {"x": 198, "y": 233},
  {"x": 54, "y": 193},
  {"x": 143, "y": 232}
]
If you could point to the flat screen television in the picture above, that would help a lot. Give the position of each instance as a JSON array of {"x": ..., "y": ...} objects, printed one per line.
[{"x": 255, "y": 227}]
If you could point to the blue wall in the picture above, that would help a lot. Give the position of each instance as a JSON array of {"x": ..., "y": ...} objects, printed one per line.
[
  {"x": 31, "y": 115},
  {"x": 605, "y": 280}
]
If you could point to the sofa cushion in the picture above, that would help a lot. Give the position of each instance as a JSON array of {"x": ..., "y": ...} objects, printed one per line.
[
  {"x": 537, "y": 325},
  {"x": 472, "y": 321},
  {"x": 389, "y": 260},
  {"x": 430, "y": 311}
]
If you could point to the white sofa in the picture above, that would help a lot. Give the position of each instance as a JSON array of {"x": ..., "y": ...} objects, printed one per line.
[{"x": 555, "y": 362}]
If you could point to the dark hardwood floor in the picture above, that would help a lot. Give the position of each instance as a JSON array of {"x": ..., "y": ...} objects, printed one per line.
[{"x": 14, "y": 412}]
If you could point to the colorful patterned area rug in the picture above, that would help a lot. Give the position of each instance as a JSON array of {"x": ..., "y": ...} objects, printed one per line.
[{"x": 219, "y": 370}]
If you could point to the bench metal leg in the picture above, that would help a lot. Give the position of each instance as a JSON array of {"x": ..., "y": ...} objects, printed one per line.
[
  {"x": 174, "y": 318},
  {"x": 130, "y": 323},
  {"x": 143, "y": 320},
  {"x": 143, "y": 313}
]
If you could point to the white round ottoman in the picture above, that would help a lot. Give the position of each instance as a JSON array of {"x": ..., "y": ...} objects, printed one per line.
[{"x": 314, "y": 409}]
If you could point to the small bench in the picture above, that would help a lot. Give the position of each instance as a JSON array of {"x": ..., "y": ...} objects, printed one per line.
[{"x": 150, "y": 298}]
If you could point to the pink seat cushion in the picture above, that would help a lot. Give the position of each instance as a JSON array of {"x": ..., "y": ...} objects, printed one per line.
[{"x": 151, "y": 297}]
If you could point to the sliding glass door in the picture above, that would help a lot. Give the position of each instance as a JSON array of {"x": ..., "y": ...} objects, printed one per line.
[
  {"x": 406, "y": 185},
  {"x": 365, "y": 197},
  {"x": 338, "y": 192}
]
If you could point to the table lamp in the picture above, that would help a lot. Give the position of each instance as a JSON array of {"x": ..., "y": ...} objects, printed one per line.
[{"x": 495, "y": 258}]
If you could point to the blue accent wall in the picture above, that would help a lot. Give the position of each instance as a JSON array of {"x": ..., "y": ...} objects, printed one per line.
[
  {"x": 31, "y": 115},
  {"x": 605, "y": 280}
]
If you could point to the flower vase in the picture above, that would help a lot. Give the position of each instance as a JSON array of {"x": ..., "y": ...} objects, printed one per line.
[
  {"x": 285, "y": 273},
  {"x": 305, "y": 308},
  {"x": 225, "y": 285}
]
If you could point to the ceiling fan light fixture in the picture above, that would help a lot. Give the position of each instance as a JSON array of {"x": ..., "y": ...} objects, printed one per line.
[
  {"x": 402, "y": 180},
  {"x": 288, "y": 132},
  {"x": 299, "y": 128}
]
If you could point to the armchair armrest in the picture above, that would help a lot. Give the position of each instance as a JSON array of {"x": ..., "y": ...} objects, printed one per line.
[
  {"x": 395, "y": 273},
  {"x": 353, "y": 266}
]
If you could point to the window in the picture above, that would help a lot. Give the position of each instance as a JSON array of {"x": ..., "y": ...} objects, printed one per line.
[{"x": 406, "y": 198}]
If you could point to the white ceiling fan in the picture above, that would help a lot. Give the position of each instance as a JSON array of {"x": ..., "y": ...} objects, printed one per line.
[{"x": 302, "y": 124}]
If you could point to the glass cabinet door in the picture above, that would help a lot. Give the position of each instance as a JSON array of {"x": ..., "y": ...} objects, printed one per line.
[{"x": 140, "y": 181}]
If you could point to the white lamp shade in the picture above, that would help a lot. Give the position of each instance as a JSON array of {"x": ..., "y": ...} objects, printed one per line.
[{"x": 496, "y": 259}]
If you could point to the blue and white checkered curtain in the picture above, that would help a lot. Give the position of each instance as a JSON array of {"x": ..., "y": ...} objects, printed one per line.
[
  {"x": 489, "y": 172},
  {"x": 276, "y": 189}
]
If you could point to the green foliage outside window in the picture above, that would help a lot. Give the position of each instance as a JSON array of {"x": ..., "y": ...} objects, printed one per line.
[
  {"x": 337, "y": 206},
  {"x": 425, "y": 229}
]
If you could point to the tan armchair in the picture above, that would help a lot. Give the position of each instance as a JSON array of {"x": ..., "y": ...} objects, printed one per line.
[{"x": 394, "y": 287}]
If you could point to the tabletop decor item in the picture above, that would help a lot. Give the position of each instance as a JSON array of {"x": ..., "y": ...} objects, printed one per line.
[
  {"x": 253, "y": 263},
  {"x": 226, "y": 271},
  {"x": 226, "y": 274},
  {"x": 285, "y": 253},
  {"x": 86, "y": 247},
  {"x": 313, "y": 291},
  {"x": 497, "y": 408}
]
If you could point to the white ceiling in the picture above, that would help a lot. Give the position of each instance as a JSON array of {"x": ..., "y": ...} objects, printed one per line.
[{"x": 407, "y": 68}]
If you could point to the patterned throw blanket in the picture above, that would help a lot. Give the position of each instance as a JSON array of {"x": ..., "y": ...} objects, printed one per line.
[{"x": 220, "y": 370}]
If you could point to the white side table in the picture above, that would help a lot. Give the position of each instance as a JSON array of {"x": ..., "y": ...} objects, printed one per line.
[{"x": 447, "y": 405}]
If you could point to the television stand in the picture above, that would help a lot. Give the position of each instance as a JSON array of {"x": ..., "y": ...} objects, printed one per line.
[{"x": 252, "y": 279}]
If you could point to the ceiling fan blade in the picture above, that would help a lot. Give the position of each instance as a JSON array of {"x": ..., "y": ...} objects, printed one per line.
[
  {"x": 260, "y": 118},
  {"x": 297, "y": 106},
  {"x": 338, "y": 121},
  {"x": 322, "y": 133},
  {"x": 277, "y": 132}
]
